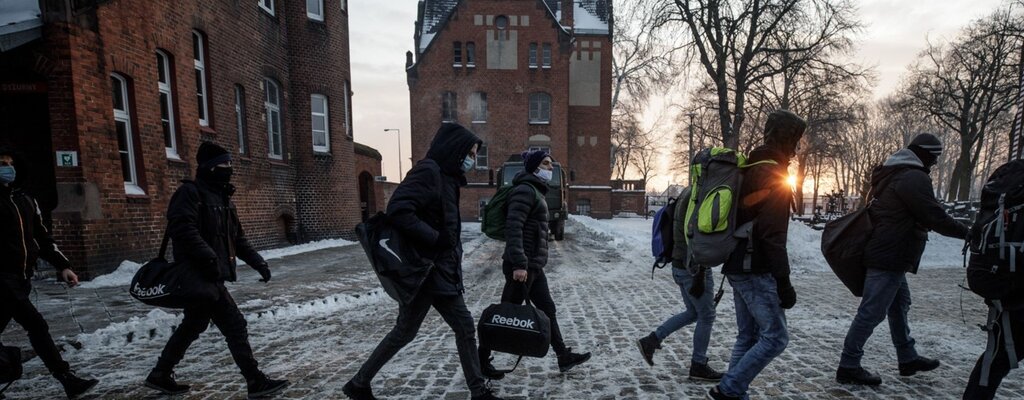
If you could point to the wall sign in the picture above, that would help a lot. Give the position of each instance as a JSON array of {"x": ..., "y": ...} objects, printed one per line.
[{"x": 67, "y": 158}]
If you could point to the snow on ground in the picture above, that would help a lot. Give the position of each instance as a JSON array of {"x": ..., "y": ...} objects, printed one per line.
[{"x": 121, "y": 276}]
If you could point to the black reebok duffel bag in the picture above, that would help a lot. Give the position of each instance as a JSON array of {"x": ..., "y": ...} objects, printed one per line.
[
  {"x": 161, "y": 283},
  {"x": 517, "y": 329}
]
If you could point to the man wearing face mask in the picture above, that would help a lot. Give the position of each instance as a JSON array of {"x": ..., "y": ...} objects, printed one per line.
[
  {"x": 526, "y": 254},
  {"x": 204, "y": 227},
  {"x": 903, "y": 211},
  {"x": 23, "y": 239}
]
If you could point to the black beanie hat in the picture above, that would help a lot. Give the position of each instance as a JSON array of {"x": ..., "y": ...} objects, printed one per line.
[
  {"x": 210, "y": 154},
  {"x": 927, "y": 142},
  {"x": 532, "y": 159}
]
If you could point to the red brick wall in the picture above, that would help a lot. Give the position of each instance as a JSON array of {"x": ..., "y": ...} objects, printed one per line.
[{"x": 369, "y": 167}]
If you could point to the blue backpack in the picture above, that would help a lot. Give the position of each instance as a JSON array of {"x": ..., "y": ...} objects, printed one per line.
[{"x": 662, "y": 234}]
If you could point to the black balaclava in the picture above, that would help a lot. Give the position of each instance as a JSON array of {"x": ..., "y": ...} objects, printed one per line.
[
  {"x": 209, "y": 156},
  {"x": 450, "y": 146},
  {"x": 926, "y": 147}
]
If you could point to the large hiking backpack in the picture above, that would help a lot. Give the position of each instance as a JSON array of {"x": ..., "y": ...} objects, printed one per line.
[
  {"x": 716, "y": 175},
  {"x": 496, "y": 211}
]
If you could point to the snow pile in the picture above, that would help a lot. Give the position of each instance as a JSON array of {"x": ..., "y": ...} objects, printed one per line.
[
  {"x": 318, "y": 308},
  {"x": 121, "y": 276},
  {"x": 158, "y": 324},
  {"x": 304, "y": 248}
]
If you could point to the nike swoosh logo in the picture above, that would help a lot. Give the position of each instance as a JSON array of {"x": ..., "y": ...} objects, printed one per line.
[{"x": 384, "y": 244}]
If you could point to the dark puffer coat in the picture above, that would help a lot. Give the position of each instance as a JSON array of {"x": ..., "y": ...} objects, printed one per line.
[
  {"x": 905, "y": 209},
  {"x": 526, "y": 227},
  {"x": 765, "y": 197},
  {"x": 203, "y": 226},
  {"x": 23, "y": 237},
  {"x": 427, "y": 202}
]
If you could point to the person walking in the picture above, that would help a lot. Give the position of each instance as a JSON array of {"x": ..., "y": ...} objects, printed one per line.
[
  {"x": 760, "y": 280},
  {"x": 526, "y": 254},
  {"x": 24, "y": 239},
  {"x": 204, "y": 228},
  {"x": 425, "y": 207},
  {"x": 903, "y": 210}
]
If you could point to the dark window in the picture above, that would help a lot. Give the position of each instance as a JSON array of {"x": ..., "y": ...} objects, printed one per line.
[
  {"x": 240, "y": 118},
  {"x": 199, "y": 61},
  {"x": 125, "y": 135},
  {"x": 448, "y": 107},
  {"x": 533, "y": 55},
  {"x": 501, "y": 22},
  {"x": 481, "y": 157},
  {"x": 540, "y": 108},
  {"x": 272, "y": 106},
  {"x": 470, "y": 54},
  {"x": 165, "y": 86},
  {"x": 457, "y": 50},
  {"x": 478, "y": 105},
  {"x": 546, "y": 60}
]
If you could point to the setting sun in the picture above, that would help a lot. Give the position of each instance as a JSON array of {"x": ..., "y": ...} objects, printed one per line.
[{"x": 792, "y": 181}]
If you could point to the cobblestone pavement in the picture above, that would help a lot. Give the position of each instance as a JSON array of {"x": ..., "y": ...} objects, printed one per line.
[{"x": 308, "y": 326}]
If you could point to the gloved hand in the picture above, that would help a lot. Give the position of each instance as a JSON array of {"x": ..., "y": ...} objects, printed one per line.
[
  {"x": 444, "y": 240},
  {"x": 264, "y": 271},
  {"x": 210, "y": 270},
  {"x": 698, "y": 287},
  {"x": 787, "y": 297}
]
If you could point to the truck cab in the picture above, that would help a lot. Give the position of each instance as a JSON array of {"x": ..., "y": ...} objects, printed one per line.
[{"x": 558, "y": 191}]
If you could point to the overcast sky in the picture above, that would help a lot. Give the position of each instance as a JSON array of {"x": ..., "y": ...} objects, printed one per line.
[{"x": 382, "y": 31}]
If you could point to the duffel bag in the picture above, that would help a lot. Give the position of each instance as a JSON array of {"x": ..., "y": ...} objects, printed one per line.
[
  {"x": 165, "y": 284},
  {"x": 516, "y": 329}
]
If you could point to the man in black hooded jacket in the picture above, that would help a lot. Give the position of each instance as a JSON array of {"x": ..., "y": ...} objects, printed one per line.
[
  {"x": 903, "y": 210},
  {"x": 425, "y": 207}
]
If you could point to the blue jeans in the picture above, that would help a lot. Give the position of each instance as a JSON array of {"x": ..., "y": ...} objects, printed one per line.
[
  {"x": 885, "y": 294},
  {"x": 698, "y": 309},
  {"x": 761, "y": 331}
]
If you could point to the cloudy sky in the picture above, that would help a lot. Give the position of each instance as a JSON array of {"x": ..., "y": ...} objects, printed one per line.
[{"x": 381, "y": 33}]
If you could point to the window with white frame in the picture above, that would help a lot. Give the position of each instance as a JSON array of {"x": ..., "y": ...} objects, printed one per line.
[
  {"x": 125, "y": 136},
  {"x": 347, "y": 97},
  {"x": 457, "y": 52},
  {"x": 533, "y": 55},
  {"x": 166, "y": 88},
  {"x": 240, "y": 118},
  {"x": 448, "y": 106},
  {"x": 546, "y": 55},
  {"x": 272, "y": 105},
  {"x": 546, "y": 149},
  {"x": 315, "y": 9},
  {"x": 470, "y": 54},
  {"x": 267, "y": 5},
  {"x": 540, "y": 108},
  {"x": 321, "y": 135},
  {"x": 478, "y": 105},
  {"x": 481, "y": 157},
  {"x": 199, "y": 60}
]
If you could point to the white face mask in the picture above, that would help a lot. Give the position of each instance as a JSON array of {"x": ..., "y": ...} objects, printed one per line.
[{"x": 544, "y": 174}]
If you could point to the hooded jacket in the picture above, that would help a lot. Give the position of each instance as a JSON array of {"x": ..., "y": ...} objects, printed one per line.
[
  {"x": 203, "y": 225},
  {"x": 23, "y": 237},
  {"x": 427, "y": 203},
  {"x": 765, "y": 198},
  {"x": 526, "y": 226},
  {"x": 903, "y": 211}
]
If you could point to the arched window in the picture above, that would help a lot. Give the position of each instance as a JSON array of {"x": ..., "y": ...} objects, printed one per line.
[
  {"x": 540, "y": 108},
  {"x": 321, "y": 132},
  {"x": 165, "y": 85},
  {"x": 125, "y": 134},
  {"x": 272, "y": 106},
  {"x": 457, "y": 52},
  {"x": 202, "y": 77}
]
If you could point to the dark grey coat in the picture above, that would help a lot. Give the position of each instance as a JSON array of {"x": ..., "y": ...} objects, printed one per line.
[{"x": 526, "y": 227}]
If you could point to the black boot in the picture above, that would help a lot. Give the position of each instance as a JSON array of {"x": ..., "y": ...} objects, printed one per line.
[
  {"x": 857, "y": 376},
  {"x": 702, "y": 372},
  {"x": 357, "y": 393},
  {"x": 73, "y": 385},
  {"x": 921, "y": 364},
  {"x": 715, "y": 394},
  {"x": 488, "y": 371},
  {"x": 165, "y": 383},
  {"x": 488, "y": 395},
  {"x": 648, "y": 344},
  {"x": 569, "y": 359},
  {"x": 263, "y": 386}
]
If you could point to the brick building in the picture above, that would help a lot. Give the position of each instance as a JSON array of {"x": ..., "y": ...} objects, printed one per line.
[
  {"x": 521, "y": 74},
  {"x": 108, "y": 100}
]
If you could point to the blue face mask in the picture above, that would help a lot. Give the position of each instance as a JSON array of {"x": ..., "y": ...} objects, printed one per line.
[
  {"x": 7, "y": 174},
  {"x": 468, "y": 163},
  {"x": 544, "y": 174}
]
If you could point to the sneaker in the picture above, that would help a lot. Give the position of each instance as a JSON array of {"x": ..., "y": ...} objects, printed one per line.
[
  {"x": 569, "y": 359},
  {"x": 164, "y": 383},
  {"x": 357, "y": 393},
  {"x": 263, "y": 386},
  {"x": 702, "y": 372},
  {"x": 73, "y": 385},
  {"x": 488, "y": 395},
  {"x": 648, "y": 344},
  {"x": 488, "y": 371},
  {"x": 921, "y": 364},
  {"x": 857, "y": 376},
  {"x": 715, "y": 394}
]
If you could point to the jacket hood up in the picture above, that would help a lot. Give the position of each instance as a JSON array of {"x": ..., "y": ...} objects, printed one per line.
[
  {"x": 450, "y": 146},
  {"x": 904, "y": 158}
]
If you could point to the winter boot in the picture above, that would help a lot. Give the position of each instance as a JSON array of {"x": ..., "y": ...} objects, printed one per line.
[
  {"x": 73, "y": 385},
  {"x": 488, "y": 395},
  {"x": 569, "y": 359},
  {"x": 165, "y": 383},
  {"x": 648, "y": 344},
  {"x": 857, "y": 376},
  {"x": 488, "y": 370},
  {"x": 921, "y": 364},
  {"x": 263, "y": 386},
  {"x": 357, "y": 393},
  {"x": 702, "y": 372},
  {"x": 715, "y": 394}
]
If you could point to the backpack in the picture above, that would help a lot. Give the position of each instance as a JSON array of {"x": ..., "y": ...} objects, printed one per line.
[
  {"x": 716, "y": 175},
  {"x": 662, "y": 235},
  {"x": 395, "y": 258},
  {"x": 496, "y": 211}
]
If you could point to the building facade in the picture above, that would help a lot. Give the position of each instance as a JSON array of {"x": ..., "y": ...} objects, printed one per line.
[
  {"x": 107, "y": 101},
  {"x": 521, "y": 74}
]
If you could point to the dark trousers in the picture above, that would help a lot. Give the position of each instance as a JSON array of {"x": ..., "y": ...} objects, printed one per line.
[
  {"x": 1000, "y": 364},
  {"x": 540, "y": 295},
  {"x": 14, "y": 304},
  {"x": 410, "y": 317},
  {"x": 225, "y": 315}
]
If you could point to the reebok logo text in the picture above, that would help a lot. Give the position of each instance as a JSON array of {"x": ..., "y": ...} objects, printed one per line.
[{"x": 514, "y": 322}]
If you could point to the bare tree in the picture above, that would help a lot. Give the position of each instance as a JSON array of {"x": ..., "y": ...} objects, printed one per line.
[{"x": 649, "y": 54}]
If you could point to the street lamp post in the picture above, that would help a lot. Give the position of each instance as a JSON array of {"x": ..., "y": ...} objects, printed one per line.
[{"x": 399, "y": 131}]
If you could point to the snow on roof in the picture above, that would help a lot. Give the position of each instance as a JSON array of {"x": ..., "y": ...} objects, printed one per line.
[
  {"x": 435, "y": 15},
  {"x": 591, "y": 16},
  {"x": 15, "y": 11}
]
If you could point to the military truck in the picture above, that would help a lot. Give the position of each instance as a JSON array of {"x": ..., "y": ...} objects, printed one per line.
[{"x": 557, "y": 193}]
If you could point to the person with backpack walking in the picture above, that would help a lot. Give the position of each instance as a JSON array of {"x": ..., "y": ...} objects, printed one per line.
[
  {"x": 23, "y": 240},
  {"x": 903, "y": 209},
  {"x": 526, "y": 254},
  {"x": 758, "y": 270},
  {"x": 205, "y": 230},
  {"x": 425, "y": 207}
]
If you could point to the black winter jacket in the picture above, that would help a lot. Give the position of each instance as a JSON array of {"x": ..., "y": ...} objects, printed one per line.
[
  {"x": 203, "y": 226},
  {"x": 526, "y": 227},
  {"x": 23, "y": 237},
  {"x": 765, "y": 198},
  {"x": 427, "y": 202},
  {"x": 903, "y": 212}
]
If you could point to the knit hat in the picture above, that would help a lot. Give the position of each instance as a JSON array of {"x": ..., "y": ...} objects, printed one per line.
[
  {"x": 210, "y": 154},
  {"x": 532, "y": 159},
  {"x": 927, "y": 142}
]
